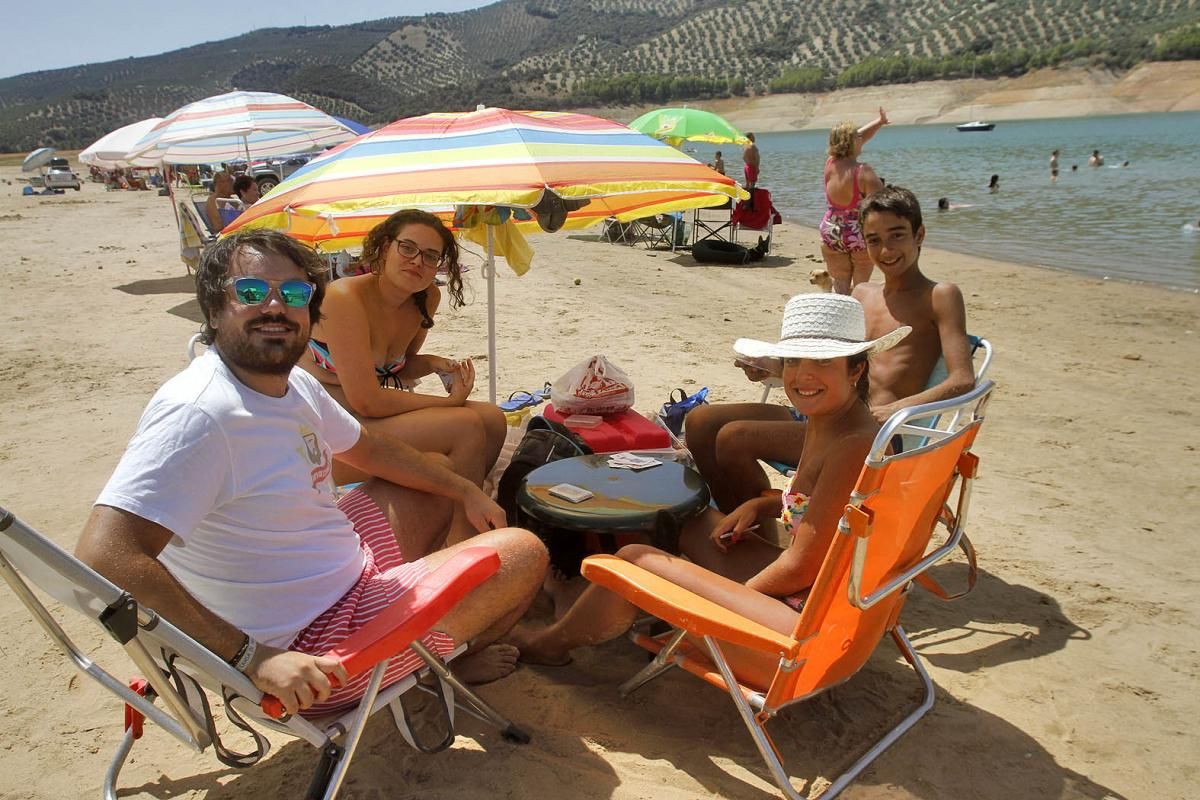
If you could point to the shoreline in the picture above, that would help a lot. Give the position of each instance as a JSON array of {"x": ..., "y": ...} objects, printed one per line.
[{"x": 789, "y": 219}]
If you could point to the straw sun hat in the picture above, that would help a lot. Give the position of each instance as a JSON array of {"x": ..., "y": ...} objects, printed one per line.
[{"x": 821, "y": 326}]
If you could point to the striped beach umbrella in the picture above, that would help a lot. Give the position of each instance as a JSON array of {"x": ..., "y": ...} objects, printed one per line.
[
  {"x": 488, "y": 157},
  {"x": 536, "y": 160},
  {"x": 237, "y": 125}
]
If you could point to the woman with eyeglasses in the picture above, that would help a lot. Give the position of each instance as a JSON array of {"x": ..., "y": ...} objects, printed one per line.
[{"x": 368, "y": 345}]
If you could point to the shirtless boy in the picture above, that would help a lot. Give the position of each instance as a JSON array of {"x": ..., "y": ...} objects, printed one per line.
[
  {"x": 727, "y": 440},
  {"x": 751, "y": 158}
]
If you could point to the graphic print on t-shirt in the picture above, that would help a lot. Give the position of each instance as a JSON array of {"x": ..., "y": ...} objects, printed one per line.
[{"x": 316, "y": 456}]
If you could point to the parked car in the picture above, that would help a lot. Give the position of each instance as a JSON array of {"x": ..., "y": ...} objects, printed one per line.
[
  {"x": 58, "y": 175},
  {"x": 271, "y": 172}
]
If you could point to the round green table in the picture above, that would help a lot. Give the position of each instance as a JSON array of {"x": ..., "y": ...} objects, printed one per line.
[{"x": 654, "y": 501}]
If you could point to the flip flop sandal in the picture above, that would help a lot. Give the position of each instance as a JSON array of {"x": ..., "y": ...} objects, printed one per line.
[
  {"x": 544, "y": 392},
  {"x": 518, "y": 400}
]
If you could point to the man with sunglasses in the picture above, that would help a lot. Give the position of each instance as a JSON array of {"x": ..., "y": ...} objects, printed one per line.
[{"x": 221, "y": 514}]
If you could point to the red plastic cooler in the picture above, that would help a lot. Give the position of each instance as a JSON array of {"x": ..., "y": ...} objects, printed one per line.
[{"x": 628, "y": 430}]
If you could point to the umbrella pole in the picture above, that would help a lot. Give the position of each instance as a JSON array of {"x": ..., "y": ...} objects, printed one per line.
[{"x": 490, "y": 268}]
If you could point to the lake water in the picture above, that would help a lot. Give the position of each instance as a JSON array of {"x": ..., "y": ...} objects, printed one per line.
[{"x": 1134, "y": 223}]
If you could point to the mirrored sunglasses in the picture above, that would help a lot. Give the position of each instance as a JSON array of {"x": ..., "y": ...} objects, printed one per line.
[{"x": 255, "y": 291}]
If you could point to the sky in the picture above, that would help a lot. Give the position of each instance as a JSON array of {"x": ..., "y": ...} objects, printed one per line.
[{"x": 72, "y": 32}]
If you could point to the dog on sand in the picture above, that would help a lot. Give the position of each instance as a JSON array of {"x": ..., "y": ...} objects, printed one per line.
[{"x": 820, "y": 278}]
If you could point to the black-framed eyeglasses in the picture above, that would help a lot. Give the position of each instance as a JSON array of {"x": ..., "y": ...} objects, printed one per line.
[
  {"x": 256, "y": 291},
  {"x": 431, "y": 259}
]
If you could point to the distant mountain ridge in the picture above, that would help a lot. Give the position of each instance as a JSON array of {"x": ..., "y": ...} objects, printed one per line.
[{"x": 562, "y": 53}]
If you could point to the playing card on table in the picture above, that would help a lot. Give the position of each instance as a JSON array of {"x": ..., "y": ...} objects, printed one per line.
[{"x": 631, "y": 461}]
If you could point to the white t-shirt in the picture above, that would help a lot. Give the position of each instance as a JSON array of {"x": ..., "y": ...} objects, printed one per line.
[{"x": 243, "y": 481}]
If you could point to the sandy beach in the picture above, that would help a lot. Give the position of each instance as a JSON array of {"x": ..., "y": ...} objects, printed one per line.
[{"x": 1067, "y": 673}]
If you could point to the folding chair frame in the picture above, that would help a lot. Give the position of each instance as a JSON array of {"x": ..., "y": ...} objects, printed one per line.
[
  {"x": 183, "y": 668},
  {"x": 952, "y": 423}
]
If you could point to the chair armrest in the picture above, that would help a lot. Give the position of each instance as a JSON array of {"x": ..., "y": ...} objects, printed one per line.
[
  {"x": 682, "y": 608},
  {"x": 416, "y": 612}
]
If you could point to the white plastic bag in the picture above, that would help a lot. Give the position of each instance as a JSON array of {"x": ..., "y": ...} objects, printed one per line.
[{"x": 594, "y": 386}]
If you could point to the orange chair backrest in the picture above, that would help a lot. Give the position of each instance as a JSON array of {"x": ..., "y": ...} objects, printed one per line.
[{"x": 903, "y": 497}]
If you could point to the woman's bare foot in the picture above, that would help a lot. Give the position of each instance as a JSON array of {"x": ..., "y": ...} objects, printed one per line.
[
  {"x": 534, "y": 650},
  {"x": 563, "y": 591},
  {"x": 492, "y": 663}
]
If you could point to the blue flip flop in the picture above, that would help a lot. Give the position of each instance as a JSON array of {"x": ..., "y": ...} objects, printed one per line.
[{"x": 518, "y": 400}]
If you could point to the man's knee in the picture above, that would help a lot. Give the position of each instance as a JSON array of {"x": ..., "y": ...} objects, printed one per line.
[{"x": 522, "y": 554}]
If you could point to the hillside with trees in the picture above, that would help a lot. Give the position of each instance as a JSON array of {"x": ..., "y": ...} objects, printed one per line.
[{"x": 566, "y": 53}]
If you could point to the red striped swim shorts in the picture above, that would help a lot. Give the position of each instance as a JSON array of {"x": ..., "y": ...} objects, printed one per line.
[{"x": 385, "y": 578}]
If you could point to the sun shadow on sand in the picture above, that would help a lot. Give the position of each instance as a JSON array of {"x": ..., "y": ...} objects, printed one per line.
[
  {"x": 957, "y": 750},
  {"x": 685, "y": 259},
  {"x": 189, "y": 310},
  {"x": 481, "y": 764},
  {"x": 179, "y": 284},
  {"x": 997, "y": 623}
]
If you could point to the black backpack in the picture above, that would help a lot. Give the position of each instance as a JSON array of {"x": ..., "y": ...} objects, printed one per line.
[{"x": 545, "y": 441}]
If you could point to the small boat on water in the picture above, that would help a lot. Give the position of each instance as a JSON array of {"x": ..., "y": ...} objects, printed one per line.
[{"x": 976, "y": 126}]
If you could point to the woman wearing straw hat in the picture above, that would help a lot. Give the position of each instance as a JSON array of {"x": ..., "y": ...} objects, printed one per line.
[{"x": 824, "y": 350}]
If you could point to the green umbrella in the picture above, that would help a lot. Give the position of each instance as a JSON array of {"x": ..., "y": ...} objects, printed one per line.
[{"x": 676, "y": 125}]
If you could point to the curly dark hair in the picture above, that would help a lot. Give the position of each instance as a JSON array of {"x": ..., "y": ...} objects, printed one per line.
[
  {"x": 375, "y": 247},
  {"x": 218, "y": 259}
]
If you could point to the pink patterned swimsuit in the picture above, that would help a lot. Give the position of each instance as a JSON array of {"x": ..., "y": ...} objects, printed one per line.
[
  {"x": 841, "y": 230},
  {"x": 795, "y": 505}
]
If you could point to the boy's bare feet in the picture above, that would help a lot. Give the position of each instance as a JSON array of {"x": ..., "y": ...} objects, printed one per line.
[
  {"x": 534, "y": 650},
  {"x": 492, "y": 663}
]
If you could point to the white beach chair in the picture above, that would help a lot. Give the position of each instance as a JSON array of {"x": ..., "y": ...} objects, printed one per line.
[{"x": 181, "y": 672}]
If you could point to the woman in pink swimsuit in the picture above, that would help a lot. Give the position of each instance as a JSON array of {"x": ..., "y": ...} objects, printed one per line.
[
  {"x": 762, "y": 575},
  {"x": 846, "y": 183}
]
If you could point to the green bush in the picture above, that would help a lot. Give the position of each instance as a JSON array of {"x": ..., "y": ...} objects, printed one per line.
[
  {"x": 802, "y": 79},
  {"x": 1179, "y": 45}
]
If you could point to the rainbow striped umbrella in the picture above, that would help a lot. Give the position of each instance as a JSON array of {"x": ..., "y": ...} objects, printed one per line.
[
  {"x": 488, "y": 157},
  {"x": 237, "y": 125}
]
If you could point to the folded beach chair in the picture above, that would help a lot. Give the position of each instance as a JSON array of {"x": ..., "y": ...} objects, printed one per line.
[
  {"x": 194, "y": 236},
  {"x": 177, "y": 670},
  {"x": 882, "y": 547}
]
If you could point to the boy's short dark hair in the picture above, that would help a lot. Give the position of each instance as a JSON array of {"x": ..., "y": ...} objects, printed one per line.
[{"x": 893, "y": 200}]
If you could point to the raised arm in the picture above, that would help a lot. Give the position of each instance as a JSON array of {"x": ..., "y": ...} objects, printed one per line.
[
  {"x": 347, "y": 332},
  {"x": 871, "y": 128},
  {"x": 124, "y": 548},
  {"x": 797, "y": 567}
]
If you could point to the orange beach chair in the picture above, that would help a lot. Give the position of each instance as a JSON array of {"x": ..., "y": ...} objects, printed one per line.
[{"x": 882, "y": 547}]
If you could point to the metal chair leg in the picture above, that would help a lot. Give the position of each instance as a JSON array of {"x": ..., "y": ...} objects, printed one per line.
[{"x": 508, "y": 729}]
